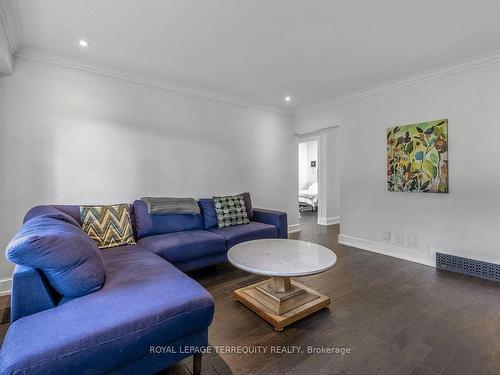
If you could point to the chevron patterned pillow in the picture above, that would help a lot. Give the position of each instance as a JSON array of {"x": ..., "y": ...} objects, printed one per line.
[
  {"x": 230, "y": 210},
  {"x": 109, "y": 226}
]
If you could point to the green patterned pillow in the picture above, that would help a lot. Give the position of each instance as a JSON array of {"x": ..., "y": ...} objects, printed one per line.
[
  {"x": 230, "y": 210},
  {"x": 109, "y": 226}
]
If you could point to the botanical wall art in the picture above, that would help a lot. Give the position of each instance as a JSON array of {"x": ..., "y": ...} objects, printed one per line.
[{"x": 417, "y": 157}]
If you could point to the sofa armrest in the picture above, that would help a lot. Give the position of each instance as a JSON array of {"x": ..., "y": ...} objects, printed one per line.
[
  {"x": 30, "y": 294},
  {"x": 276, "y": 218}
]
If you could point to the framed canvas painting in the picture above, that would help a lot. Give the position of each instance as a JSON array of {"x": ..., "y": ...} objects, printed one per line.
[{"x": 417, "y": 157}]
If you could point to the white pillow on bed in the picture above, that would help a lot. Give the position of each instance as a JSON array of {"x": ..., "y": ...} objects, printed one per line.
[{"x": 313, "y": 189}]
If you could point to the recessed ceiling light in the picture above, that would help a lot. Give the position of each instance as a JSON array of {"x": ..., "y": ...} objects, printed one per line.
[
  {"x": 287, "y": 98},
  {"x": 83, "y": 43}
]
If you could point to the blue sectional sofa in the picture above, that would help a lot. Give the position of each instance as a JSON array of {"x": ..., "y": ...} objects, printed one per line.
[{"x": 147, "y": 303}]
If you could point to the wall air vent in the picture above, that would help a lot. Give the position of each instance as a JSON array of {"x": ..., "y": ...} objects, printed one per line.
[{"x": 472, "y": 267}]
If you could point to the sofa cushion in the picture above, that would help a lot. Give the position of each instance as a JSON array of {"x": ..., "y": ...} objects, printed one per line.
[
  {"x": 149, "y": 225},
  {"x": 69, "y": 258},
  {"x": 181, "y": 246},
  {"x": 108, "y": 226},
  {"x": 247, "y": 232},
  {"x": 51, "y": 211},
  {"x": 144, "y": 302},
  {"x": 230, "y": 210},
  {"x": 248, "y": 205},
  {"x": 202, "y": 262},
  {"x": 210, "y": 215}
]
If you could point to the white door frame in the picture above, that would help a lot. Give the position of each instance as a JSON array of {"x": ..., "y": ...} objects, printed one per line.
[
  {"x": 321, "y": 189},
  {"x": 319, "y": 136}
]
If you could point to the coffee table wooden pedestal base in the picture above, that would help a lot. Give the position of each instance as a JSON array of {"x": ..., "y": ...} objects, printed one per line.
[{"x": 281, "y": 301}]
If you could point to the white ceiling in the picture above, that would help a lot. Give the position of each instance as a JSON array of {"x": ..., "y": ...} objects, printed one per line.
[{"x": 262, "y": 50}]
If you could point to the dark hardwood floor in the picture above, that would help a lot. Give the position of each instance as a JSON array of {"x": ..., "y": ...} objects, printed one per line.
[{"x": 395, "y": 317}]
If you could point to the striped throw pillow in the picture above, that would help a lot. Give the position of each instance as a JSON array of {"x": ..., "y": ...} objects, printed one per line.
[{"x": 109, "y": 226}]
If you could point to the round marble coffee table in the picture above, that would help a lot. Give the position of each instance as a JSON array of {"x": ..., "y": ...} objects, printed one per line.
[{"x": 280, "y": 300}]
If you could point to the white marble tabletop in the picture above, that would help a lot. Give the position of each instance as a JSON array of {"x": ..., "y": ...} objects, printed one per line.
[{"x": 281, "y": 257}]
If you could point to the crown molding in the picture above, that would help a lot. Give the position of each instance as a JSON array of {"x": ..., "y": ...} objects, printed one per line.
[
  {"x": 152, "y": 83},
  {"x": 407, "y": 81},
  {"x": 9, "y": 18}
]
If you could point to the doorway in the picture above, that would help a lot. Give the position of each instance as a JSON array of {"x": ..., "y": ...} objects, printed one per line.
[
  {"x": 308, "y": 178},
  {"x": 318, "y": 183}
]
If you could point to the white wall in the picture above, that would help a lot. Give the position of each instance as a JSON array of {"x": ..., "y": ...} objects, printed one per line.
[
  {"x": 5, "y": 53},
  {"x": 312, "y": 155},
  {"x": 303, "y": 152},
  {"x": 68, "y": 136},
  {"x": 331, "y": 171},
  {"x": 465, "y": 221}
]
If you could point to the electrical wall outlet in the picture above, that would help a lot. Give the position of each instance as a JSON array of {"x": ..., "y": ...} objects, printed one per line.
[
  {"x": 399, "y": 238},
  {"x": 386, "y": 235},
  {"x": 411, "y": 239}
]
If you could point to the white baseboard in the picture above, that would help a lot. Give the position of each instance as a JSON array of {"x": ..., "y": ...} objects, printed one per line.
[
  {"x": 5, "y": 287},
  {"x": 328, "y": 220},
  {"x": 294, "y": 228},
  {"x": 413, "y": 255}
]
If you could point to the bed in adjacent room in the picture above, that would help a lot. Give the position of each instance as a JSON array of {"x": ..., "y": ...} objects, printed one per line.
[{"x": 309, "y": 197}]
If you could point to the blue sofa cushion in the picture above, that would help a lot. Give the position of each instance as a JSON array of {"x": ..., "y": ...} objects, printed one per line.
[
  {"x": 149, "y": 225},
  {"x": 145, "y": 301},
  {"x": 69, "y": 258},
  {"x": 248, "y": 204},
  {"x": 247, "y": 232},
  {"x": 181, "y": 246},
  {"x": 68, "y": 209},
  {"x": 201, "y": 262},
  {"x": 272, "y": 217},
  {"x": 51, "y": 211},
  {"x": 210, "y": 215}
]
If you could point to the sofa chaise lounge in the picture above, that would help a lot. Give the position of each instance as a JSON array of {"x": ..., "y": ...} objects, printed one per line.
[{"x": 148, "y": 311}]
